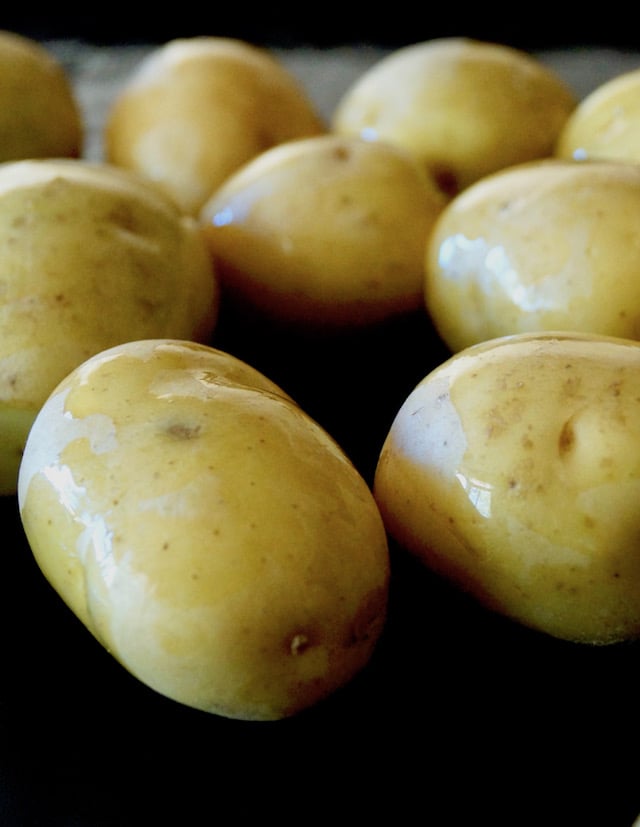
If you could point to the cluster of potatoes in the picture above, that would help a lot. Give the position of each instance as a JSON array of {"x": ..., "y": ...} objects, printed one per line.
[{"x": 457, "y": 177}]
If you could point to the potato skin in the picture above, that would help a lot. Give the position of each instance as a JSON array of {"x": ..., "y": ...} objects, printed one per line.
[
  {"x": 548, "y": 245},
  {"x": 605, "y": 125},
  {"x": 513, "y": 469},
  {"x": 39, "y": 114},
  {"x": 324, "y": 232},
  {"x": 463, "y": 107},
  {"x": 198, "y": 108},
  {"x": 92, "y": 256},
  {"x": 208, "y": 532}
]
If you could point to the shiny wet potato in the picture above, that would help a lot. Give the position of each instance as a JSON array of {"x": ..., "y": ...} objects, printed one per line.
[
  {"x": 210, "y": 534},
  {"x": 324, "y": 232},
  {"x": 513, "y": 469},
  {"x": 91, "y": 256},
  {"x": 552, "y": 244}
]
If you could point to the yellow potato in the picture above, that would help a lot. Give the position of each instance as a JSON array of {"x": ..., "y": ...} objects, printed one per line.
[
  {"x": 605, "y": 124},
  {"x": 324, "y": 231},
  {"x": 91, "y": 256},
  {"x": 547, "y": 245},
  {"x": 513, "y": 469},
  {"x": 197, "y": 108},
  {"x": 208, "y": 532},
  {"x": 465, "y": 108},
  {"x": 39, "y": 114}
]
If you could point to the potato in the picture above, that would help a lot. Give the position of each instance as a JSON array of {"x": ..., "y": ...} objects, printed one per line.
[
  {"x": 39, "y": 114},
  {"x": 513, "y": 470},
  {"x": 197, "y": 108},
  {"x": 209, "y": 533},
  {"x": 606, "y": 123},
  {"x": 325, "y": 231},
  {"x": 551, "y": 244},
  {"x": 91, "y": 256},
  {"x": 465, "y": 108}
]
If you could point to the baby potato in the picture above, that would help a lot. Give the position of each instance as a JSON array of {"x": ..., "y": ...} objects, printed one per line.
[
  {"x": 197, "y": 108},
  {"x": 327, "y": 231},
  {"x": 206, "y": 530},
  {"x": 39, "y": 114},
  {"x": 465, "y": 108},
  {"x": 513, "y": 470},
  {"x": 605, "y": 124},
  {"x": 552, "y": 244},
  {"x": 91, "y": 256}
]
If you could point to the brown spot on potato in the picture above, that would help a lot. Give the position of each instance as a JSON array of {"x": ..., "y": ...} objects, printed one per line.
[
  {"x": 183, "y": 430},
  {"x": 567, "y": 438}
]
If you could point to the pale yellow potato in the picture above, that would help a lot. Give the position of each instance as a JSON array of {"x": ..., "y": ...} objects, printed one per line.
[
  {"x": 325, "y": 231},
  {"x": 208, "y": 532},
  {"x": 197, "y": 108},
  {"x": 91, "y": 256},
  {"x": 605, "y": 124},
  {"x": 40, "y": 116},
  {"x": 513, "y": 470},
  {"x": 463, "y": 107},
  {"x": 553, "y": 244}
]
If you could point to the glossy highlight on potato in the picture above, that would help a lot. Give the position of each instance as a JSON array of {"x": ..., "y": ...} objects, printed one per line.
[
  {"x": 210, "y": 534},
  {"x": 513, "y": 470},
  {"x": 548, "y": 245}
]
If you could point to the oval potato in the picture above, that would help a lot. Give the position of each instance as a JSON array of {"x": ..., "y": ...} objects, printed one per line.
[
  {"x": 198, "y": 108},
  {"x": 513, "y": 470},
  {"x": 40, "y": 116},
  {"x": 465, "y": 108},
  {"x": 325, "y": 231},
  {"x": 91, "y": 256},
  {"x": 549, "y": 245},
  {"x": 210, "y": 534}
]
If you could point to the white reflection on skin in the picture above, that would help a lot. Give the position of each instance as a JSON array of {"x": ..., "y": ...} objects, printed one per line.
[
  {"x": 478, "y": 492},
  {"x": 488, "y": 266},
  {"x": 95, "y": 536}
]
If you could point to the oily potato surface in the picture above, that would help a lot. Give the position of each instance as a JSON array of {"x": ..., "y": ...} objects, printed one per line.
[
  {"x": 548, "y": 245},
  {"x": 209, "y": 533},
  {"x": 92, "y": 256},
  {"x": 197, "y": 108},
  {"x": 513, "y": 469},
  {"x": 327, "y": 231},
  {"x": 465, "y": 108}
]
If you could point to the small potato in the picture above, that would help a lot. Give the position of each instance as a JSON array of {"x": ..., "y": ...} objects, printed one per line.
[
  {"x": 547, "y": 245},
  {"x": 324, "y": 232},
  {"x": 513, "y": 469},
  {"x": 606, "y": 124},
  {"x": 464, "y": 108},
  {"x": 39, "y": 114},
  {"x": 207, "y": 531},
  {"x": 91, "y": 256},
  {"x": 197, "y": 108}
]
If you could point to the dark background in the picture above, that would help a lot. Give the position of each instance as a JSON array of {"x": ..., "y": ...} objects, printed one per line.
[{"x": 540, "y": 25}]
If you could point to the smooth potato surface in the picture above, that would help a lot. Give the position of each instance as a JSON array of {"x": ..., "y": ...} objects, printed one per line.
[
  {"x": 549, "y": 245},
  {"x": 198, "y": 108},
  {"x": 513, "y": 469},
  {"x": 324, "y": 231},
  {"x": 207, "y": 531},
  {"x": 463, "y": 107},
  {"x": 92, "y": 256}
]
